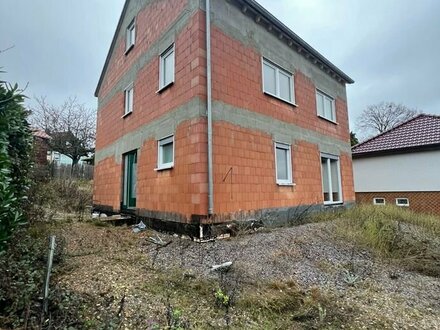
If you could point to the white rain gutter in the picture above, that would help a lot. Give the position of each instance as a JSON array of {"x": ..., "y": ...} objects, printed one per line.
[{"x": 209, "y": 108}]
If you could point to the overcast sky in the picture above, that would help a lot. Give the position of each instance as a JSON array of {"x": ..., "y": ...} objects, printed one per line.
[{"x": 391, "y": 48}]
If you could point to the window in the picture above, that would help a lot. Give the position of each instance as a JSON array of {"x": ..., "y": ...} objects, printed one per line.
[
  {"x": 166, "y": 68},
  {"x": 277, "y": 82},
  {"x": 283, "y": 164},
  {"x": 325, "y": 106},
  {"x": 130, "y": 178},
  {"x": 165, "y": 153},
  {"x": 379, "y": 201},
  {"x": 130, "y": 36},
  {"x": 402, "y": 201},
  {"x": 331, "y": 179},
  {"x": 128, "y": 99}
]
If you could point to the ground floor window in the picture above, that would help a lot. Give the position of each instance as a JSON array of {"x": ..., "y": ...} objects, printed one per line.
[
  {"x": 379, "y": 201},
  {"x": 283, "y": 164},
  {"x": 331, "y": 179},
  {"x": 402, "y": 201},
  {"x": 130, "y": 173},
  {"x": 165, "y": 156}
]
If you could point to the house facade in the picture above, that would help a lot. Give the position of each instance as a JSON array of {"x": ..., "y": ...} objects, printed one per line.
[
  {"x": 401, "y": 166},
  {"x": 209, "y": 118}
]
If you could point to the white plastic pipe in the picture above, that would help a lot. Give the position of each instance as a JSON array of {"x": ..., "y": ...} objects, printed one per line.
[{"x": 209, "y": 108}]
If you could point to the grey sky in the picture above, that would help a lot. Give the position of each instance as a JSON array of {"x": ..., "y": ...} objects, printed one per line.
[{"x": 389, "y": 47}]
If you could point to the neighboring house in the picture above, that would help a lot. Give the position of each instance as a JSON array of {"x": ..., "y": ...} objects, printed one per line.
[
  {"x": 41, "y": 146},
  {"x": 401, "y": 166},
  {"x": 275, "y": 120}
]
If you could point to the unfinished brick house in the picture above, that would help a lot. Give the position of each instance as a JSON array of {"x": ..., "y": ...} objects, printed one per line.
[
  {"x": 207, "y": 118},
  {"x": 401, "y": 166}
]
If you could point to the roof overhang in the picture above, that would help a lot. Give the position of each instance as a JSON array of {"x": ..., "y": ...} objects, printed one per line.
[
  {"x": 263, "y": 17},
  {"x": 388, "y": 152}
]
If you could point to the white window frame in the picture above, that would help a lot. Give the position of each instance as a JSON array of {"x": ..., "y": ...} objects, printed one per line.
[
  {"x": 165, "y": 54},
  {"x": 278, "y": 69},
  {"x": 376, "y": 203},
  {"x": 285, "y": 146},
  {"x": 330, "y": 98},
  {"x": 330, "y": 157},
  {"x": 160, "y": 144},
  {"x": 127, "y": 110},
  {"x": 130, "y": 36},
  {"x": 399, "y": 204}
]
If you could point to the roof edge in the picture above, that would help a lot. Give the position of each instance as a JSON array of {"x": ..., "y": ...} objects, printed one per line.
[
  {"x": 389, "y": 130},
  {"x": 307, "y": 47},
  {"x": 387, "y": 152},
  {"x": 112, "y": 46}
]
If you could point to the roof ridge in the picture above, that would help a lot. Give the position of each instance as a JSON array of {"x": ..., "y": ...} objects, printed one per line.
[{"x": 388, "y": 130}]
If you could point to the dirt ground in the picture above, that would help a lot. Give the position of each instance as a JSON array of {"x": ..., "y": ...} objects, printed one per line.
[{"x": 136, "y": 285}]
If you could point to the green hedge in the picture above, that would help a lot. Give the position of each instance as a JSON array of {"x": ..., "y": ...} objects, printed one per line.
[{"x": 15, "y": 160}]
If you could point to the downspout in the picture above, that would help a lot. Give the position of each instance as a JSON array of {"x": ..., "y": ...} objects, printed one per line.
[{"x": 209, "y": 108}]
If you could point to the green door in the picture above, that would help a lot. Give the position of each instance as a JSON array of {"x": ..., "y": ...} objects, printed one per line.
[{"x": 130, "y": 169}]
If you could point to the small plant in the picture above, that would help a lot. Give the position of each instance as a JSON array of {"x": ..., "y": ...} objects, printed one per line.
[
  {"x": 322, "y": 313},
  {"x": 222, "y": 298},
  {"x": 350, "y": 278}
]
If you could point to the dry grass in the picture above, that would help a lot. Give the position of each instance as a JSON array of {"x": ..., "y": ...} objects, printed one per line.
[{"x": 410, "y": 238}]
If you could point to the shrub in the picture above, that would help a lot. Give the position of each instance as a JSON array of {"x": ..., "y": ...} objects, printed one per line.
[{"x": 15, "y": 160}]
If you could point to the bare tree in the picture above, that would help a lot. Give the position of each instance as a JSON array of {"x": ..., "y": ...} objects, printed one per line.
[
  {"x": 72, "y": 126},
  {"x": 378, "y": 118}
]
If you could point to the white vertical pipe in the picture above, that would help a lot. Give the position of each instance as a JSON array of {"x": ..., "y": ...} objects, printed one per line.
[{"x": 209, "y": 108}]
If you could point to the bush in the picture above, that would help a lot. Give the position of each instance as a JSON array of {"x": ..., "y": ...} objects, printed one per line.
[{"x": 15, "y": 160}]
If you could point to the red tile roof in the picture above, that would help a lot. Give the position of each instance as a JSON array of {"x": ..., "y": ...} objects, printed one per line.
[
  {"x": 40, "y": 133},
  {"x": 420, "y": 131}
]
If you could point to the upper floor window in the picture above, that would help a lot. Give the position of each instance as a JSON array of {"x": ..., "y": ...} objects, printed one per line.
[
  {"x": 166, "y": 68},
  {"x": 283, "y": 164},
  {"x": 130, "y": 35},
  {"x": 128, "y": 93},
  {"x": 325, "y": 106},
  {"x": 278, "y": 82}
]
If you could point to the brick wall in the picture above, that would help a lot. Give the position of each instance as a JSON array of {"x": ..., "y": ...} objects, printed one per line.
[
  {"x": 41, "y": 147},
  {"x": 237, "y": 80},
  {"x": 425, "y": 202},
  {"x": 181, "y": 190},
  {"x": 149, "y": 105},
  {"x": 107, "y": 183},
  {"x": 244, "y": 166},
  {"x": 150, "y": 25}
]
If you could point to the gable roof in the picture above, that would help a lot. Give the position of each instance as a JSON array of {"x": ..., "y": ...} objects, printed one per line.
[
  {"x": 36, "y": 132},
  {"x": 420, "y": 132},
  {"x": 302, "y": 46}
]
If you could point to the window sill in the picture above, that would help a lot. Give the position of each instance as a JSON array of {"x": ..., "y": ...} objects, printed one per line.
[
  {"x": 127, "y": 114},
  {"x": 164, "y": 87},
  {"x": 333, "y": 203},
  {"x": 286, "y": 184},
  {"x": 129, "y": 49},
  {"x": 163, "y": 168},
  {"x": 329, "y": 120},
  {"x": 280, "y": 99}
]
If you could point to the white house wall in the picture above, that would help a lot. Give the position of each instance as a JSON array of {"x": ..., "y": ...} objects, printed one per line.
[{"x": 419, "y": 171}]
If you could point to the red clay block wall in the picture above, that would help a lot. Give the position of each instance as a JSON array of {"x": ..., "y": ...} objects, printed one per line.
[
  {"x": 237, "y": 80},
  {"x": 107, "y": 183},
  {"x": 182, "y": 189},
  {"x": 245, "y": 171},
  {"x": 190, "y": 82},
  {"x": 150, "y": 25}
]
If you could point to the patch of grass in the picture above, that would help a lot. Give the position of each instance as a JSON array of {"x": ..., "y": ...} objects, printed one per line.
[
  {"x": 282, "y": 305},
  {"x": 411, "y": 238}
]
